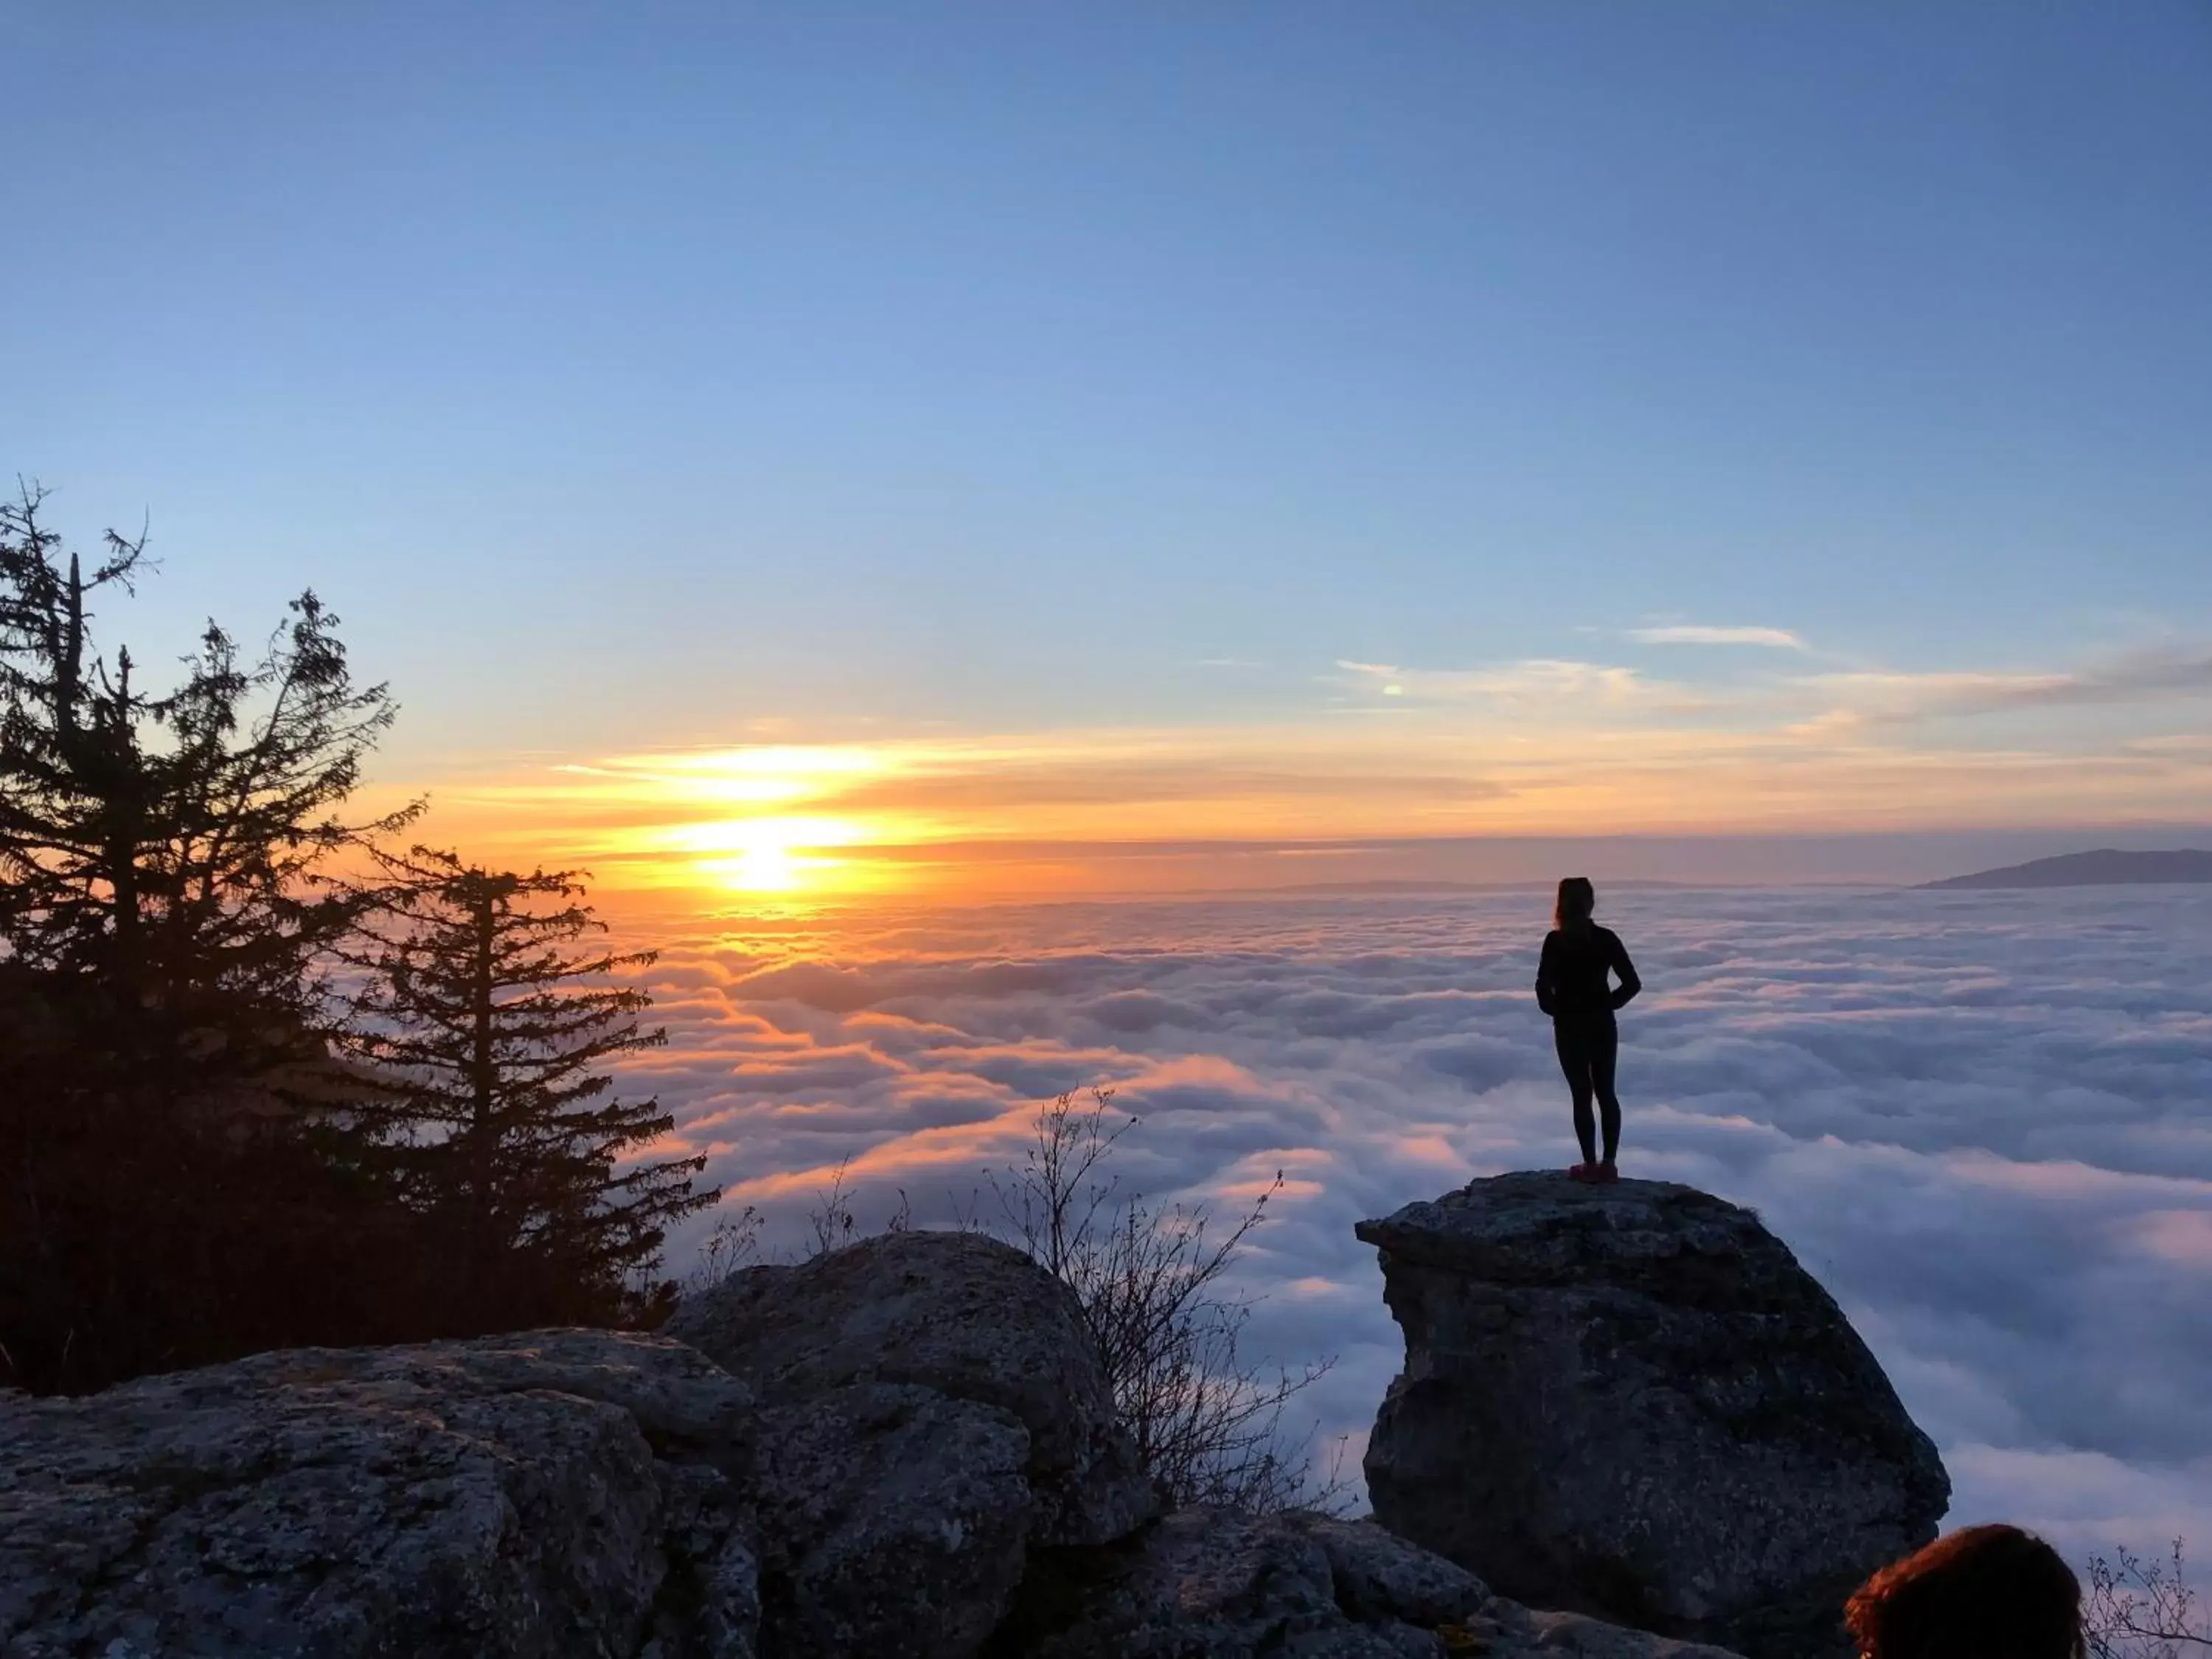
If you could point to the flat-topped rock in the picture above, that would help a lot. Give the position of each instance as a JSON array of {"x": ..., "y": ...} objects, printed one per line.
[
  {"x": 1537, "y": 1227},
  {"x": 1631, "y": 1401}
]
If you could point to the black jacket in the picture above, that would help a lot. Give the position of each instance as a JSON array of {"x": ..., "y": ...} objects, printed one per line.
[{"x": 1571, "y": 978}]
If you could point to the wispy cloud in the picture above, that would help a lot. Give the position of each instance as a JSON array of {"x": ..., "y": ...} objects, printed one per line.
[
  {"x": 1535, "y": 682},
  {"x": 2146, "y": 676},
  {"x": 1777, "y": 639},
  {"x": 2174, "y": 742}
]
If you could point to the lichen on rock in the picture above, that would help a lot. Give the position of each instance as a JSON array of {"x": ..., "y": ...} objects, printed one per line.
[
  {"x": 966, "y": 1315},
  {"x": 558, "y": 1492}
]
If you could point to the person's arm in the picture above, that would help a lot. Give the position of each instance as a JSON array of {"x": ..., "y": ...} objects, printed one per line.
[
  {"x": 1630, "y": 984},
  {"x": 1547, "y": 982}
]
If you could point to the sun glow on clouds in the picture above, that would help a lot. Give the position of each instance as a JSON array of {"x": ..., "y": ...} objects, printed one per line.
[
  {"x": 725, "y": 818},
  {"x": 1536, "y": 747},
  {"x": 781, "y": 853}
]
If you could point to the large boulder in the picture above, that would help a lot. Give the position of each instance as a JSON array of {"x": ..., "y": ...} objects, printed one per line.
[
  {"x": 894, "y": 1524},
  {"x": 562, "y": 1492},
  {"x": 1630, "y": 1400},
  {"x": 1214, "y": 1585},
  {"x": 929, "y": 1410},
  {"x": 971, "y": 1318}
]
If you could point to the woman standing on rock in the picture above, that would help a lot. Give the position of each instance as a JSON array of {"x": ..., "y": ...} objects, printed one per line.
[{"x": 1573, "y": 986}]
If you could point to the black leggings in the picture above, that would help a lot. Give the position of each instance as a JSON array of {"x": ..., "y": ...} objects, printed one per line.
[{"x": 1587, "y": 1050}]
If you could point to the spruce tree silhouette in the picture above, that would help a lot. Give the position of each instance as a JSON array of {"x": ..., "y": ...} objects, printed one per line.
[
  {"x": 484, "y": 1026},
  {"x": 163, "y": 940},
  {"x": 168, "y": 842}
]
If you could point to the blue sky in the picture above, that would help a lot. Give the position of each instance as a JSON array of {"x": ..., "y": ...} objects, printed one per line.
[{"x": 660, "y": 375}]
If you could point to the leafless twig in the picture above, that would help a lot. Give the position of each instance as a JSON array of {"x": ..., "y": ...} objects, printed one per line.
[
  {"x": 732, "y": 1246},
  {"x": 1207, "y": 1423},
  {"x": 2142, "y": 1609}
]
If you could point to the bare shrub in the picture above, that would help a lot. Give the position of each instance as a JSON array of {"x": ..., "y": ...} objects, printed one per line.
[
  {"x": 2142, "y": 1609},
  {"x": 732, "y": 1247},
  {"x": 832, "y": 1223},
  {"x": 1207, "y": 1423}
]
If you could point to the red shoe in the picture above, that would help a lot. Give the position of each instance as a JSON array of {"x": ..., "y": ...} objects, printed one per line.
[
  {"x": 1605, "y": 1173},
  {"x": 1582, "y": 1172}
]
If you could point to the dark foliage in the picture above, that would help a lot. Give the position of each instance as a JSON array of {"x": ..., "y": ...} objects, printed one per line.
[
  {"x": 146, "y": 1226},
  {"x": 189, "y": 1169},
  {"x": 483, "y": 1024},
  {"x": 162, "y": 844}
]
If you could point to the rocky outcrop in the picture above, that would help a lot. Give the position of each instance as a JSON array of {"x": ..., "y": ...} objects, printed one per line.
[
  {"x": 1630, "y": 1400},
  {"x": 963, "y": 1316},
  {"x": 892, "y": 1432},
  {"x": 563, "y": 1492},
  {"x": 594, "y": 1494},
  {"x": 1211, "y": 1584},
  {"x": 1626, "y": 1401}
]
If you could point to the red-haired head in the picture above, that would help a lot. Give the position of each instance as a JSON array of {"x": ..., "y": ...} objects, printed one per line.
[{"x": 1991, "y": 1592}]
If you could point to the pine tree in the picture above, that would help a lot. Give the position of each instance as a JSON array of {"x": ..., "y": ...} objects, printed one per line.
[
  {"x": 163, "y": 946},
  {"x": 487, "y": 1024},
  {"x": 166, "y": 845},
  {"x": 71, "y": 776}
]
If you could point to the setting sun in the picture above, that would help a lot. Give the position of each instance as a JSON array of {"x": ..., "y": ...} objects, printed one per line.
[
  {"x": 722, "y": 820},
  {"x": 779, "y": 854}
]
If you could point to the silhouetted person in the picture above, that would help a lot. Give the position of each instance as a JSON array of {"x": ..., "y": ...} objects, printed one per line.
[
  {"x": 1574, "y": 986},
  {"x": 1990, "y": 1592}
]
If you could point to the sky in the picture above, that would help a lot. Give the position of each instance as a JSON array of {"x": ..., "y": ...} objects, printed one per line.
[
  {"x": 1977, "y": 1118},
  {"x": 880, "y": 450}
]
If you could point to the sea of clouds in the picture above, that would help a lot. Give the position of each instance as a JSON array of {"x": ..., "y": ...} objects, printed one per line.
[{"x": 1981, "y": 1119}]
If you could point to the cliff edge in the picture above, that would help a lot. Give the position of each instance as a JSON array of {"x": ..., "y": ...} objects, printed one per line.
[{"x": 1631, "y": 1401}]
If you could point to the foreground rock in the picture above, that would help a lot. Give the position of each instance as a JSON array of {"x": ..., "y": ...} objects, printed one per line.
[
  {"x": 894, "y": 1520},
  {"x": 562, "y": 1493},
  {"x": 1630, "y": 1400},
  {"x": 912, "y": 1455},
  {"x": 928, "y": 1414},
  {"x": 965, "y": 1315},
  {"x": 1208, "y": 1584},
  {"x": 931, "y": 1409}
]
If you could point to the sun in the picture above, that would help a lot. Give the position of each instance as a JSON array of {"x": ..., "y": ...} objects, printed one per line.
[
  {"x": 795, "y": 822},
  {"x": 764, "y": 870},
  {"x": 771, "y": 854}
]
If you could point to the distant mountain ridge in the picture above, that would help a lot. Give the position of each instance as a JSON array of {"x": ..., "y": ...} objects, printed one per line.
[{"x": 2107, "y": 866}]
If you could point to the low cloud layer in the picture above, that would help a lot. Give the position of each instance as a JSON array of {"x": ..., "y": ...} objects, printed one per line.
[{"x": 1980, "y": 1119}]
